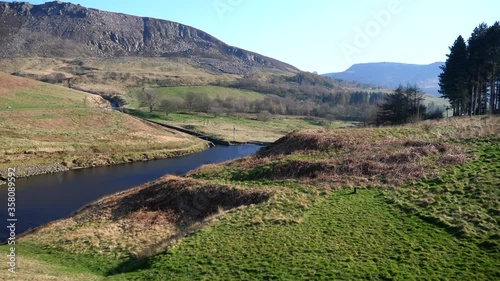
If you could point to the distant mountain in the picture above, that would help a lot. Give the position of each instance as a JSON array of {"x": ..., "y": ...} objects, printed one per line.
[
  {"x": 57, "y": 29},
  {"x": 390, "y": 75}
]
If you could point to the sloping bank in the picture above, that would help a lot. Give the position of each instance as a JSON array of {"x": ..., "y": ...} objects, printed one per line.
[
  {"x": 49, "y": 128},
  {"x": 23, "y": 171}
]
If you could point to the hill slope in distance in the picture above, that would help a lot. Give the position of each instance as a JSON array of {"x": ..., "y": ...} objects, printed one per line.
[{"x": 390, "y": 75}]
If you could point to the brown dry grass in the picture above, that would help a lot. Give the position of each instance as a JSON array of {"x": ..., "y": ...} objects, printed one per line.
[
  {"x": 78, "y": 137},
  {"x": 145, "y": 218},
  {"x": 243, "y": 127},
  {"x": 386, "y": 156},
  {"x": 114, "y": 75},
  {"x": 53, "y": 124},
  {"x": 312, "y": 140},
  {"x": 464, "y": 127},
  {"x": 9, "y": 84},
  {"x": 379, "y": 163},
  {"x": 102, "y": 88}
]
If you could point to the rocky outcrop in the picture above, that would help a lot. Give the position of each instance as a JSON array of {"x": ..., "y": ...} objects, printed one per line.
[{"x": 57, "y": 29}]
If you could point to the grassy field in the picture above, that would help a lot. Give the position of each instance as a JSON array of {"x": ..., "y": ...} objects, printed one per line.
[
  {"x": 464, "y": 199},
  {"x": 245, "y": 127},
  {"x": 24, "y": 94},
  {"x": 42, "y": 123},
  {"x": 342, "y": 237},
  {"x": 426, "y": 207}
]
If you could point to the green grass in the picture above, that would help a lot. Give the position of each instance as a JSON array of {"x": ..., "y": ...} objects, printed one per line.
[
  {"x": 463, "y": 199},
  {"x": 343, "y": 237},
  {"x": 44, "y": 96},
  {"x": 211, "y": 91},
  {"x": 436, "y": 100},
  {"x": 86, "y": 263},
  {"x": 36, "y": 264},
  {"x": 246, "y": 127}
]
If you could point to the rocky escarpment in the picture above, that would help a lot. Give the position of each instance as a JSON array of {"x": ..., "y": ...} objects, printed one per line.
[{"x": 57, "y": 29}]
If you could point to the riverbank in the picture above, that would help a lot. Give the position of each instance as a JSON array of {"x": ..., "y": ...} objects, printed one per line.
[
  {"x": 33, "y": 170},
  {"x": 53, "y": 197},
  {"x": 24, "y": 171},
  {"x": 46, "y": 128}
]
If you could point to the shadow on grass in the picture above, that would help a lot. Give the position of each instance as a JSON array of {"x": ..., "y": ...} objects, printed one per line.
[
  {"x": 187, "y": 204},
  {"x": 186, "y": 201},
  {"x": 130, "y": 265},
  {"x": 490, "y": 245},
  {"x": 352, "y": 192}
]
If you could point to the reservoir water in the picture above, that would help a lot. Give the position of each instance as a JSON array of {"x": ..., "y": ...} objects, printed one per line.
[{"x": 44, "y": 198}]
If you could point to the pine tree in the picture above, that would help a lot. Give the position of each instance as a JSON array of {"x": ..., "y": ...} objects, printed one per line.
[
  {"x": 478, "y": 69},
  {"x": 493, "y": 53},
  {"x": 402, "y": 106},
  {"x": 454, "y": 78},
  {"x": 471, "y": 76}
]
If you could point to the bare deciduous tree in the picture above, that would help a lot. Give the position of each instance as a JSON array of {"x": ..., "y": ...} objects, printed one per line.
[
  {"x": 197, "y": 102},
  {"x": 171, "y": 105},
  {"x": 149, "y": 98}
]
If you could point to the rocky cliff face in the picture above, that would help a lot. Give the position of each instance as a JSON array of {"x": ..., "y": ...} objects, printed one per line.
[{"x": 57, "y": 29}]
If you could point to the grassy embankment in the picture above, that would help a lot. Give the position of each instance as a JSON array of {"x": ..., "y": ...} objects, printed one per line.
[
  {"x": 427, "y": 206},
  {"x": 247, "y": 127},
  {"x": 52, "y": 124}
]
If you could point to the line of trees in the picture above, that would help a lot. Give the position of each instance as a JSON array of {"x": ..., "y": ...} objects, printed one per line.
[
  {"x": 360, "y": 106},
  {"x": 331, "y": 98},
  {"x": 404, "y": 105},
  {"x": 471, "y": 75}
]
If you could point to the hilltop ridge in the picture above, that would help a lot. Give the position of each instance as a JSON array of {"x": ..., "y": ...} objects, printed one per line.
[{"x": 58, "y": 29}]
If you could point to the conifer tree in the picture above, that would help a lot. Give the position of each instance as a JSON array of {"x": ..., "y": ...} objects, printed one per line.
[
  {"x": 471, "y": 75},
  {"x": 454, "y": 78}
]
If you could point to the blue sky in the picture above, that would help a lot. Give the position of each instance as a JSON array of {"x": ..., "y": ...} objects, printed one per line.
[{"x": 324, "y": 35}]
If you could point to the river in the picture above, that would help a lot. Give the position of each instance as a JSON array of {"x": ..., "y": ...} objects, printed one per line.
[{"x": 44, "y": 198}]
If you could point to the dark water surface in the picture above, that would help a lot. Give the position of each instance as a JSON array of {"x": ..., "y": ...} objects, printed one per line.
[{"x": 41, "y": 199}]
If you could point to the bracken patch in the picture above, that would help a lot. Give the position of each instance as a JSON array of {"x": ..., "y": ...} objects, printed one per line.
[
  {"x": 178, "y": 200},
  {"x": 144, "y": 219},
  {"x": 310, "y": 141}
]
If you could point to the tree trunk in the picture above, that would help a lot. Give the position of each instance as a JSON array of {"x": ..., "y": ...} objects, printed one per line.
[
  {"x": 484, "y": 98},
  {"x": 497, "y": 104},
  {"x": 492, "y": 94},
  {"x": 472, "y": 98},
  {"x": 479, "y": 96}
]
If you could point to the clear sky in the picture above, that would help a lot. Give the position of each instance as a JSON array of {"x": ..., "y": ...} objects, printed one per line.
[{"x": 324, "y": 35}]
